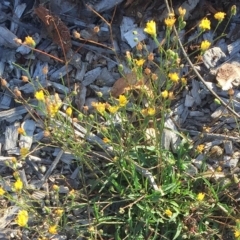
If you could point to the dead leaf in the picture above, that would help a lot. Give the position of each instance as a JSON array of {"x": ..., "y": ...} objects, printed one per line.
[
  {"x": 228, "y": 75},
  {"x": 131, "y": 82},
  {"x": 122, "y": 83},
  {"x": 57, "y": 30}
]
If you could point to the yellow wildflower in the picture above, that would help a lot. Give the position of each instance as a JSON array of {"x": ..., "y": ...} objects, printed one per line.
[
  {"x": 113, "y": 109},
  {"x": 122, "y": 101},
  {"x": 29, "y": 41},
  {"x": 52, "y": 229},
  {"x": 22, "y": 218},
  {"x": 23, "y": 152},
  {"x": 144, "y": 112},
  {"x": 55, "y": 187},
  {"x": 205, "y": 45},
  {"x": 200, "y": 196},
  {"x": 200, "y": 148},
  {"x": 219, "y": 16},
  {"x": 69, "y": 111},
  {"x": 173, "y": 77},
  {"x": 184, "y": 81},
  {"x": 205, "y": 24},
  {"x": 170, "y": 21},
  {"x": 139, "y": 62},
  {"x": 151, "y": 28},
  {"x": 53, "y": 103},
  {"x": 168, "y": 212},
  {"x": 58, "y": 212},
  {"x": 182, "y": 11},
  {"x": 39, "y": 95},
  {"x": 164, "y": 94},
  {"x": 100, "y": 107},
  {"x": 151, "y": 111},
  {"x": 18, "y": 185},
  {"x": 237, "y": 233},
  {"x": 1, "y": 191},
  {"x": 52, "y": 109},
  {"x": 21, "y": 131},
  {"x": 106, "y": 140},
  {"x": 71, "y": 194}
]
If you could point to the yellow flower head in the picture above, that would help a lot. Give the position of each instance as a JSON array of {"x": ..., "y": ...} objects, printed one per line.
[
  {"x": 151, "y": 111},
  {"x": 18, "y": 185},
  {"x": 205, "y": 24},
  {"x": 122, "y": 101},
  {"x": 173, "y": 77},
  {"x": 1, "y": 191},
  {"x": 151, "y": 28},
  {"x": 139, "y": 62},
  {"x": 200, "y": 196},
  {"x": 200, "y": 148},
  {"x": 113, "y": 109},
  {"x": 237, "y": 233},
  {"x": 100, "y": 107},
  {"x": 170, "y": 21},
  {"x": 39, "y": 95},
  {"x": 168, "y": 212},
  {"x": 219, "y": 16},
  {"x": 22, "y": 218},
  {"x": 184, "y": 81},
  {"x": 69, "y": 111},
  {"x": 182, "y": 11},
  {"x": 58, "y": 212},
  {"x": 164, "y": 94},
  {"x": 106, "y": 140},
  {"x": 29, "y": 41},
  {"x": 53, "y": 104},
  {"x": 21, "y": 130},
  {"x": 205, "y": 45},
  {"x": 52, "y": 229},
  {"x": 23, "y": 152},
  {"x": 55, "y": 187}
]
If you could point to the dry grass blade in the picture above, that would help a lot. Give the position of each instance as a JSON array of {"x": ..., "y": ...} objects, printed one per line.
[{"x": 57, "y": 30}]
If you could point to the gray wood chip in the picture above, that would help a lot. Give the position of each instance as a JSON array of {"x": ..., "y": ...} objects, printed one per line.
[
  {"x": 7, "y": 38},
  {"x": 11, "y": 136},
  {"x": 91, "y": 76}
]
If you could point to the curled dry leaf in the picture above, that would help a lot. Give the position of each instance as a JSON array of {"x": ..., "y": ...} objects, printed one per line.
[
  {"x": 228, "y": 75},
  {"x": 130, "y": 82},
  {"x": 57, "y": 30}
]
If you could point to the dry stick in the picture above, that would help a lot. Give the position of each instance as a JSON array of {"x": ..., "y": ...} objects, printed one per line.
[{"x": 196, "y": 72}]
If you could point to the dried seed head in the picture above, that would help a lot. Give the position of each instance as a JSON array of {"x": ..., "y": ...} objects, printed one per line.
[
  {"x": 45, "y": 70},
  {"x": 3, "y": 82},
  {"x": 96, "y": 29},
  {"x": 139, "y": 46},
  {"x": 17, "y": 41},
  {"x": 147, "y": 71},
  {"x": 17, "y": 92},
  {"x": 24, "y": 78},
  {"x": 46, "y": 133},
  {"x": 230, "y": 92},
  {"x": 76, "y": 34},
  {"x": 154, "y": 76},
  {"x": 150, "y": 57}
]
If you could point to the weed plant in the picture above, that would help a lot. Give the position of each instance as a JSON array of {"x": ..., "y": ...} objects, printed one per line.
[{"x": 131, "y": 187}]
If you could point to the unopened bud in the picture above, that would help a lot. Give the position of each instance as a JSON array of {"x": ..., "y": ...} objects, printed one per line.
[{"x": 24, "y": 78}]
